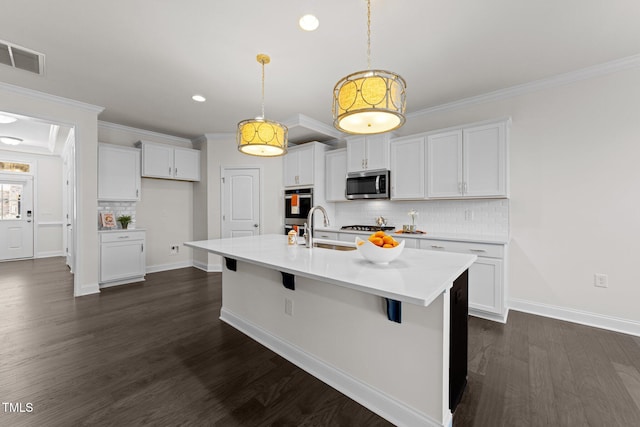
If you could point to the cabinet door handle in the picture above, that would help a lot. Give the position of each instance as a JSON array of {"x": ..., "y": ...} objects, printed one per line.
[
  {"x": 142, "y": 247},
  {"x": 437, "y": 247},
  {"x": 137, "y": 193},
  {"x": 169, "y": 170},
  {"x": 123, "y": 237},
  {"x": 477, "y": 250},
  {"x": 176, "y": 171},
  {"x": 459, "y": 187},
  {"x": 464, "y": 188}
]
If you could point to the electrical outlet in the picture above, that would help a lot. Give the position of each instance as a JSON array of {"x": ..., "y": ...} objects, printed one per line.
[
  {"x": 174, "y": 249},
  {"x": 288, "y": 307},
  {"x": 601, "y": 280}
]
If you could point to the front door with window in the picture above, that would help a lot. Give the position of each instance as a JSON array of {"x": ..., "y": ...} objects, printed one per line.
[{"x": 16, "y": 217}]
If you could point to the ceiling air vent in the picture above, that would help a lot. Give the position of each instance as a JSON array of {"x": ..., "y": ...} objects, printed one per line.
[{"x": 21, "y": 58}]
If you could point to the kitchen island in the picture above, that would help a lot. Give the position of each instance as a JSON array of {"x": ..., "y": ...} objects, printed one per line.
[{"x": 378, "y": 333}]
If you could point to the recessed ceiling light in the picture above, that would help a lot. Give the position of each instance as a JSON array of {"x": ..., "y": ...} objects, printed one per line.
[
  {"x": 7, "y": 119},
  {"x": 10, "y": 140},
  {"x": 309, "y": 22},
  {"x": 198, "y": 98}
]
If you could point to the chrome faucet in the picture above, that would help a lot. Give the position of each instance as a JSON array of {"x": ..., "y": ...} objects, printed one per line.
[{"x": 308, "y": 227}]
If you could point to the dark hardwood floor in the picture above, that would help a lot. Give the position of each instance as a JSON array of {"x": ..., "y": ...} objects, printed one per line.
[{"x": 155, "y": 353}]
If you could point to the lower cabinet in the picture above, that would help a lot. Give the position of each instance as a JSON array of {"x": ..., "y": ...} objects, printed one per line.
[
  {"x": 487, "y": 276},
  {"x": 122, "y": 257}
]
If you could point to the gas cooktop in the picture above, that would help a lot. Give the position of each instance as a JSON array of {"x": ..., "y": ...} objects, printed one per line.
[{"x": 367, "y": 227}]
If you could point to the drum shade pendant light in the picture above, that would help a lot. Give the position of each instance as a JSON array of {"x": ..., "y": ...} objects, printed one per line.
[
  {"x": 371, "y": 101},
  {"x": 259, "y": 136}
]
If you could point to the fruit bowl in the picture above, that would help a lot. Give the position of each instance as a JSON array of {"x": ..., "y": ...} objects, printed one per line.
[{"x": 376, "y": 254}]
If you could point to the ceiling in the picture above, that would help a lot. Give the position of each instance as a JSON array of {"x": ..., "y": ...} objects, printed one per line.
[{"x": 143, "y": 60}]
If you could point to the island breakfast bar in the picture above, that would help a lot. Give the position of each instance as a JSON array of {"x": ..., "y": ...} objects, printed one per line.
[{"x": 380, "y": 334}]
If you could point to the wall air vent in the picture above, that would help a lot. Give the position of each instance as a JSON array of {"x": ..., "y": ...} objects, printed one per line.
[{"x": 21, "y": 58}]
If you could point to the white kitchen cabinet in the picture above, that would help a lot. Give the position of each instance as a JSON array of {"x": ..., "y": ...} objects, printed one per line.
[
  {"x": 168, "y": 162},
  {"x": 336, "y": 175},
  {"x": 118, "y": 173},
  {"x": 485, "y": 286},
  {"x": 186, "y": 164},
  {"x": 485, "y": 160},
  {"x": 408, "y": 169},
  {"x": 304, "y": 165},
  {"x": 487, "y": 276},
  {"x": 122, "y": 257},
  {"x": 298, "y": 166},
  {"x": 444, "y": 165},
  {"x": 469, "y": 162},
  {"x": 369, "y": 152}
]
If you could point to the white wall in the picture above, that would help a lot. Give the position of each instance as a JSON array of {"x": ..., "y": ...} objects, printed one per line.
[
  {"x": 165, "y": 209},
  {"x": 575, "y": 203}
]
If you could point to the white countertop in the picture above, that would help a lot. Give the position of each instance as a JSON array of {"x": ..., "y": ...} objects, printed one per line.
[
  {"x": 120, "y": 230},
  {"x": 416, "y": 277},
  {"x": 473, "y": 238}
]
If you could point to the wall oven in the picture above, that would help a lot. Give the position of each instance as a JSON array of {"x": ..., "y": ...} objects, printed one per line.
[
  {"x": 372, "y": 184},
  {"x": 297, "y": 204}
]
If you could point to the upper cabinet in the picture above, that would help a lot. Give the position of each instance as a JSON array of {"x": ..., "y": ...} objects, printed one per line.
[
  {"x": 169, "y": 162},
  {"x": 368, "y": 152},
  {"x": 298, "y": 166},
  {"x": 407, "y": 169},
  {"x": 484, "y": 163},
  {"x": 118, "y": 173},
  {"x": 336, "y": 175},
  {"x": 455, "y": 163},
  {"x": 304, "y": 165},
  {"x": 444, "y": 165},
  {"x": 470, "y": 162}
]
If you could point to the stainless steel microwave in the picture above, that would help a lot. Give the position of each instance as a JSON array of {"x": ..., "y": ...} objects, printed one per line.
[{"x": 373, "y": 184}]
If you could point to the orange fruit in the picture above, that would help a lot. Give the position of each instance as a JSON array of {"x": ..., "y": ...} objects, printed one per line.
[
  {"x": 377, "y": 241},
  {"x": 379, "y": 234},
  {"x": 387, "y": 245},
  {"x": 387, "y": 239},
  {"x": 361, "y": 242}
]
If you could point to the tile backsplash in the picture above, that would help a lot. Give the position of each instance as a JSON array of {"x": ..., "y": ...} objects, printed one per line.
[
  {"x": 479, "y": 216},
  {"x": 118, "y": 208}
]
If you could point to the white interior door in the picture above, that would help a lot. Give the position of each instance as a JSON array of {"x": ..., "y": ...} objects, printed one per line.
[
  {"x": 16, "y": 217},
  {"x": 240, "y": 202}
]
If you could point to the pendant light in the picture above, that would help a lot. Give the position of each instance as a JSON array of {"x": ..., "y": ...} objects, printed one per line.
[
  {"x": 259, "y": 136},
  {"x": 370, "y": 101}
]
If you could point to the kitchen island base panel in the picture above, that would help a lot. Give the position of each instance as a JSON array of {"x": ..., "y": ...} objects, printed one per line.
[{"x": 343, "y": 337}]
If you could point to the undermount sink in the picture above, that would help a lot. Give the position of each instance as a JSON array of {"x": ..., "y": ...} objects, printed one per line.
[{"x": 335, "y": 247}]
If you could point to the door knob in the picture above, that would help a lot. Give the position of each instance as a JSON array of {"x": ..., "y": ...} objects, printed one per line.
[{"x": 255, "y": 225}]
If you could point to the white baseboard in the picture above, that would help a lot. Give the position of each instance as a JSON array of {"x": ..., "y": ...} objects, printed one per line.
[
  {"x": 489, "y": 316},
  {"x": 577, "y": 316},
  {"x": 49, "y": 254},
  {"x": 167, "y": 267},
  {"x": 387, "y": 407},
  {"x": 209, "y": 268}
]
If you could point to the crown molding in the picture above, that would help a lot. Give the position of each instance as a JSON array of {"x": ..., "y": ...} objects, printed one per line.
[
  {"x": 219, "y": 136},
  {"x": 142, "y": 132},
  {"x": 51, "y": 98},
  {"x": 536, "y": 85}
]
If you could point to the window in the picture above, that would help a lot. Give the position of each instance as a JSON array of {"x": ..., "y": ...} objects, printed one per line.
[
  {"x": 15, "y": 167},
  {"x": 11, "y": 195}
]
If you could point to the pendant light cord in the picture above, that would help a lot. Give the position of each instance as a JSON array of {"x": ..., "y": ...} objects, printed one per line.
[
  {"x": 262, "y": 88},
  {"x": 369, "y": 34}
]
